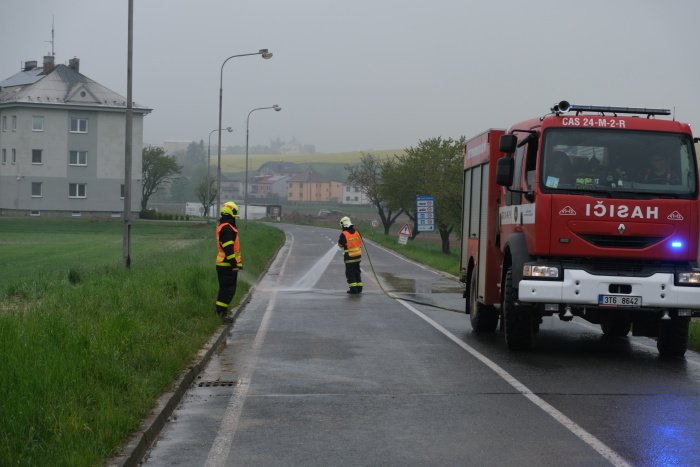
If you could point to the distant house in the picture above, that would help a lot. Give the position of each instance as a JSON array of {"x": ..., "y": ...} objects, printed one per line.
[
  {"x": 311, "y": 186},
  {"x": 291, "y": 148},
  {"x": 62, "y": 144},
  {"x": 354, "y": 195},
  {"x": 231, "y": 190},
  {"x": 269, "y": 186}
]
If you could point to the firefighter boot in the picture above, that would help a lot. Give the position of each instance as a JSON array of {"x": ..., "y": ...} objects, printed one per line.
[{"x": 222, "y": 312}]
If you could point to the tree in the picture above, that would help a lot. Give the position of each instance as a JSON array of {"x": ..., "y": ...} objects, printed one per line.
[
  {"x": 196, "y": 155},
  {"x": 438, "y": 166},
  {"x": 401, "y": 179},
  {"x": 158, "y": 170},
  {"x": 206, "y": 192},
  {"x": 367, "y": 176}
]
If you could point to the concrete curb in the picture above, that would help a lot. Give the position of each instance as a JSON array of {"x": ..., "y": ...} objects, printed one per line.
[{"x": 132, "y": 453}]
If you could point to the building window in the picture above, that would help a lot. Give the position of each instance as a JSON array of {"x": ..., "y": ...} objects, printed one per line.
[
  {"x": 78, "y": 125},
  {"x": 4, "y": 156},
  {"x": 36, "y": 156},
  {"x": 76, "y": 214},
  {"x": 4, "y": 123},
  {"x": 36, "y": 190},
  {"x": 35, "y": 213},
  {"x": 14, "y": 156},
  {"x": 14, "y": 123},
  {"x": 77, "y": 190},
  {"x": 77, "y": 158},
  {"x": 116, "y": 214},
  {"x": 37, "y": 123}
]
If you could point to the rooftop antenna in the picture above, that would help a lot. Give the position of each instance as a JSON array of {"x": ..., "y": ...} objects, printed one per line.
[{"x": 53, "y": 53}]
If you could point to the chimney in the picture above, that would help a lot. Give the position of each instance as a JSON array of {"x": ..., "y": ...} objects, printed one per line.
[
  {"x": 29, "y": 65},
  {"x": 74, "y": 64},
  {"x": 48, "y": 64}
]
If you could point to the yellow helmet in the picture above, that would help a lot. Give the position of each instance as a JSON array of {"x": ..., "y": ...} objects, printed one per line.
[
  {"x": 229, "y": 209},
  {"x": 345, "y": 221}
]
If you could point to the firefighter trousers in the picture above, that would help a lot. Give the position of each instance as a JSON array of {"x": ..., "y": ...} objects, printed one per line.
[
  {"x": 354, "y": 277},
  {"x": 228, "y": 279}
]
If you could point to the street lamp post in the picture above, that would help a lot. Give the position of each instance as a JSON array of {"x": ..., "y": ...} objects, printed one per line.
[
  {"x": 276, "y": 108},
  {"x": 266, "y": 54},
  {"x": 229, "y": 129}
]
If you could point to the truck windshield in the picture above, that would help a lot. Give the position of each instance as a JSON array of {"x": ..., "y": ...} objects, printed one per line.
[{"x": 635, "y": 162}]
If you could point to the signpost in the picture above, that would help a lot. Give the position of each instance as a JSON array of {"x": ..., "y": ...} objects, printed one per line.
[
  {"x": 425, "y": 212},
  {"x": 404, "y": 233}
]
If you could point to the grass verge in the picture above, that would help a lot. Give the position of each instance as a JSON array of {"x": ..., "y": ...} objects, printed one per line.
[
  {"x": 419, "y": 250},
  {"x": 88, "y": 353}
]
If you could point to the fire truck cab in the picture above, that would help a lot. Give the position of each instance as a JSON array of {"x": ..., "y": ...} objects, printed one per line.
[{"x": 588, "y": 211}]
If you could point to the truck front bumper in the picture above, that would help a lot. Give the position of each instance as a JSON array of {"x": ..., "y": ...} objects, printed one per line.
[{"x": 584, "y": 289}]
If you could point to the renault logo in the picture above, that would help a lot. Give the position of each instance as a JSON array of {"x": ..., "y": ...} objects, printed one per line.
[{"x": 621, "y": 229}]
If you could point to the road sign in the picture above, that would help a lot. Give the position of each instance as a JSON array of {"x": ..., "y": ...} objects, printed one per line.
[
  {"x": 425, "y": 213},
  {"x": 405, "y": 230}
]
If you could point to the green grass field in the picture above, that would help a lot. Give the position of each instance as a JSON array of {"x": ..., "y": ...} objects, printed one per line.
[{"x": 86, "y": 345}]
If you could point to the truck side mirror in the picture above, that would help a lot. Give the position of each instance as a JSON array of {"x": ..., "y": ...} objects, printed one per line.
[
  {"x": 507, "y": 144},
  {"x": 504, "y": 171}
]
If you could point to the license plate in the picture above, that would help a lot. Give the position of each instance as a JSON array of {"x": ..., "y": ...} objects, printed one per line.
[{"x": 619, "y": 300}]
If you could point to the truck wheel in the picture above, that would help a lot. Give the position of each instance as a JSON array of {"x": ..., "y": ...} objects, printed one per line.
[
  {"x": 616, "y": 326},
  {"x": 482, "y": 317},
  {"x": 520, "y": 323},
  {"x": 673, "y": 336}
]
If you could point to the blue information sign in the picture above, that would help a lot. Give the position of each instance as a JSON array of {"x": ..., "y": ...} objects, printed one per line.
[{"x": 425, "y": 213}]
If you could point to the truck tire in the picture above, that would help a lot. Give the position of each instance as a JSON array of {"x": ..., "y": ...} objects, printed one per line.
[
  {"x": 616, "y": 326},
  {"x": 520, "y": 324},
  {"x": 673, "y": 336},
  {"x": 482, "y": 317}
]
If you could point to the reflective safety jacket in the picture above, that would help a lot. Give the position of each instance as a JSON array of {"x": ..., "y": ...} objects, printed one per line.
[
  {"x": 228, "y": 246},
  {"x": 351, "y": 242}
]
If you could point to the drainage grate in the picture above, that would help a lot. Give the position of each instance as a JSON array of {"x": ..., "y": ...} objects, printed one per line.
[{"x": 215, "y": 384}]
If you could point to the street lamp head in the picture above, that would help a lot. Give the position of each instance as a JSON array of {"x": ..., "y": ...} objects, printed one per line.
[
  {"x": 229, "y": 129},
  {"x": 265, "y": 54},
  {"x": 277, "y": 108}
]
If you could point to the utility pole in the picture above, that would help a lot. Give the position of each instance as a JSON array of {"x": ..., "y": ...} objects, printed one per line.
[{"x": 127, "y": 142}]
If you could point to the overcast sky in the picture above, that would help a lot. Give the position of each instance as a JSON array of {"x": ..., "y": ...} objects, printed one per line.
[{"x": 368, "y": 74}]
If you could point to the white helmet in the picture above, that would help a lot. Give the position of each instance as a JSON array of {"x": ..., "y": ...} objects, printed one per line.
[{"x": 345, "y": 222}]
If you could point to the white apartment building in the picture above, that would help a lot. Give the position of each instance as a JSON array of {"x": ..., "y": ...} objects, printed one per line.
[
  {"x": 354, "y": 195},
  {"x": 62, "y": 144}
]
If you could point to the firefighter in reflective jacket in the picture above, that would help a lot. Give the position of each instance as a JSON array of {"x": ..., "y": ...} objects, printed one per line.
[
  {"x": 228, "y": 259},
  {"x": 350, "y": 242}
]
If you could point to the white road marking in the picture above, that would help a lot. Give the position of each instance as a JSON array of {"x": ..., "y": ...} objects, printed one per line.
[
  {"x": 221, "y": 447},
  {"x": 600, "y": 447}
]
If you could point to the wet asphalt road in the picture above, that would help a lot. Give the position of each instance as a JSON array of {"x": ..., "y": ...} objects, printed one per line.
[{"x": 313, "y": 376}]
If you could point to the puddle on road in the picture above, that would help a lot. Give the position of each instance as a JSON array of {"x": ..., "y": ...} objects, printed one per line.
[{"x": 411, "y": 285}]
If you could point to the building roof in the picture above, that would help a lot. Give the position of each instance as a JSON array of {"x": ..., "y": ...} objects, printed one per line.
[
  {"x": 309, "y": 177},
  {"x": 270, "y": 179},
  {"x": 61, "y": 86}
]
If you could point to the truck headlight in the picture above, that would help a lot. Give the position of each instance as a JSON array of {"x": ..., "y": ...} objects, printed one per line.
[
  {"x": 536, "y": 271},
  {"x": 688, "y": 278}
]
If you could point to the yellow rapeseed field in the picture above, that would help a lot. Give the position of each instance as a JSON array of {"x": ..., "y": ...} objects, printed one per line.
[{"x": 236, "y": 162}]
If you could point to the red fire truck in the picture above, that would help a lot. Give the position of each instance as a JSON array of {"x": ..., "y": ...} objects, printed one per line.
[{"x": 588, "y": 211}]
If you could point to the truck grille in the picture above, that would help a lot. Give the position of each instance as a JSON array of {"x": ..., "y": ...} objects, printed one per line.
[
  {"x": 618, "y": 241},
  {"x": 600, "y": 267}
]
